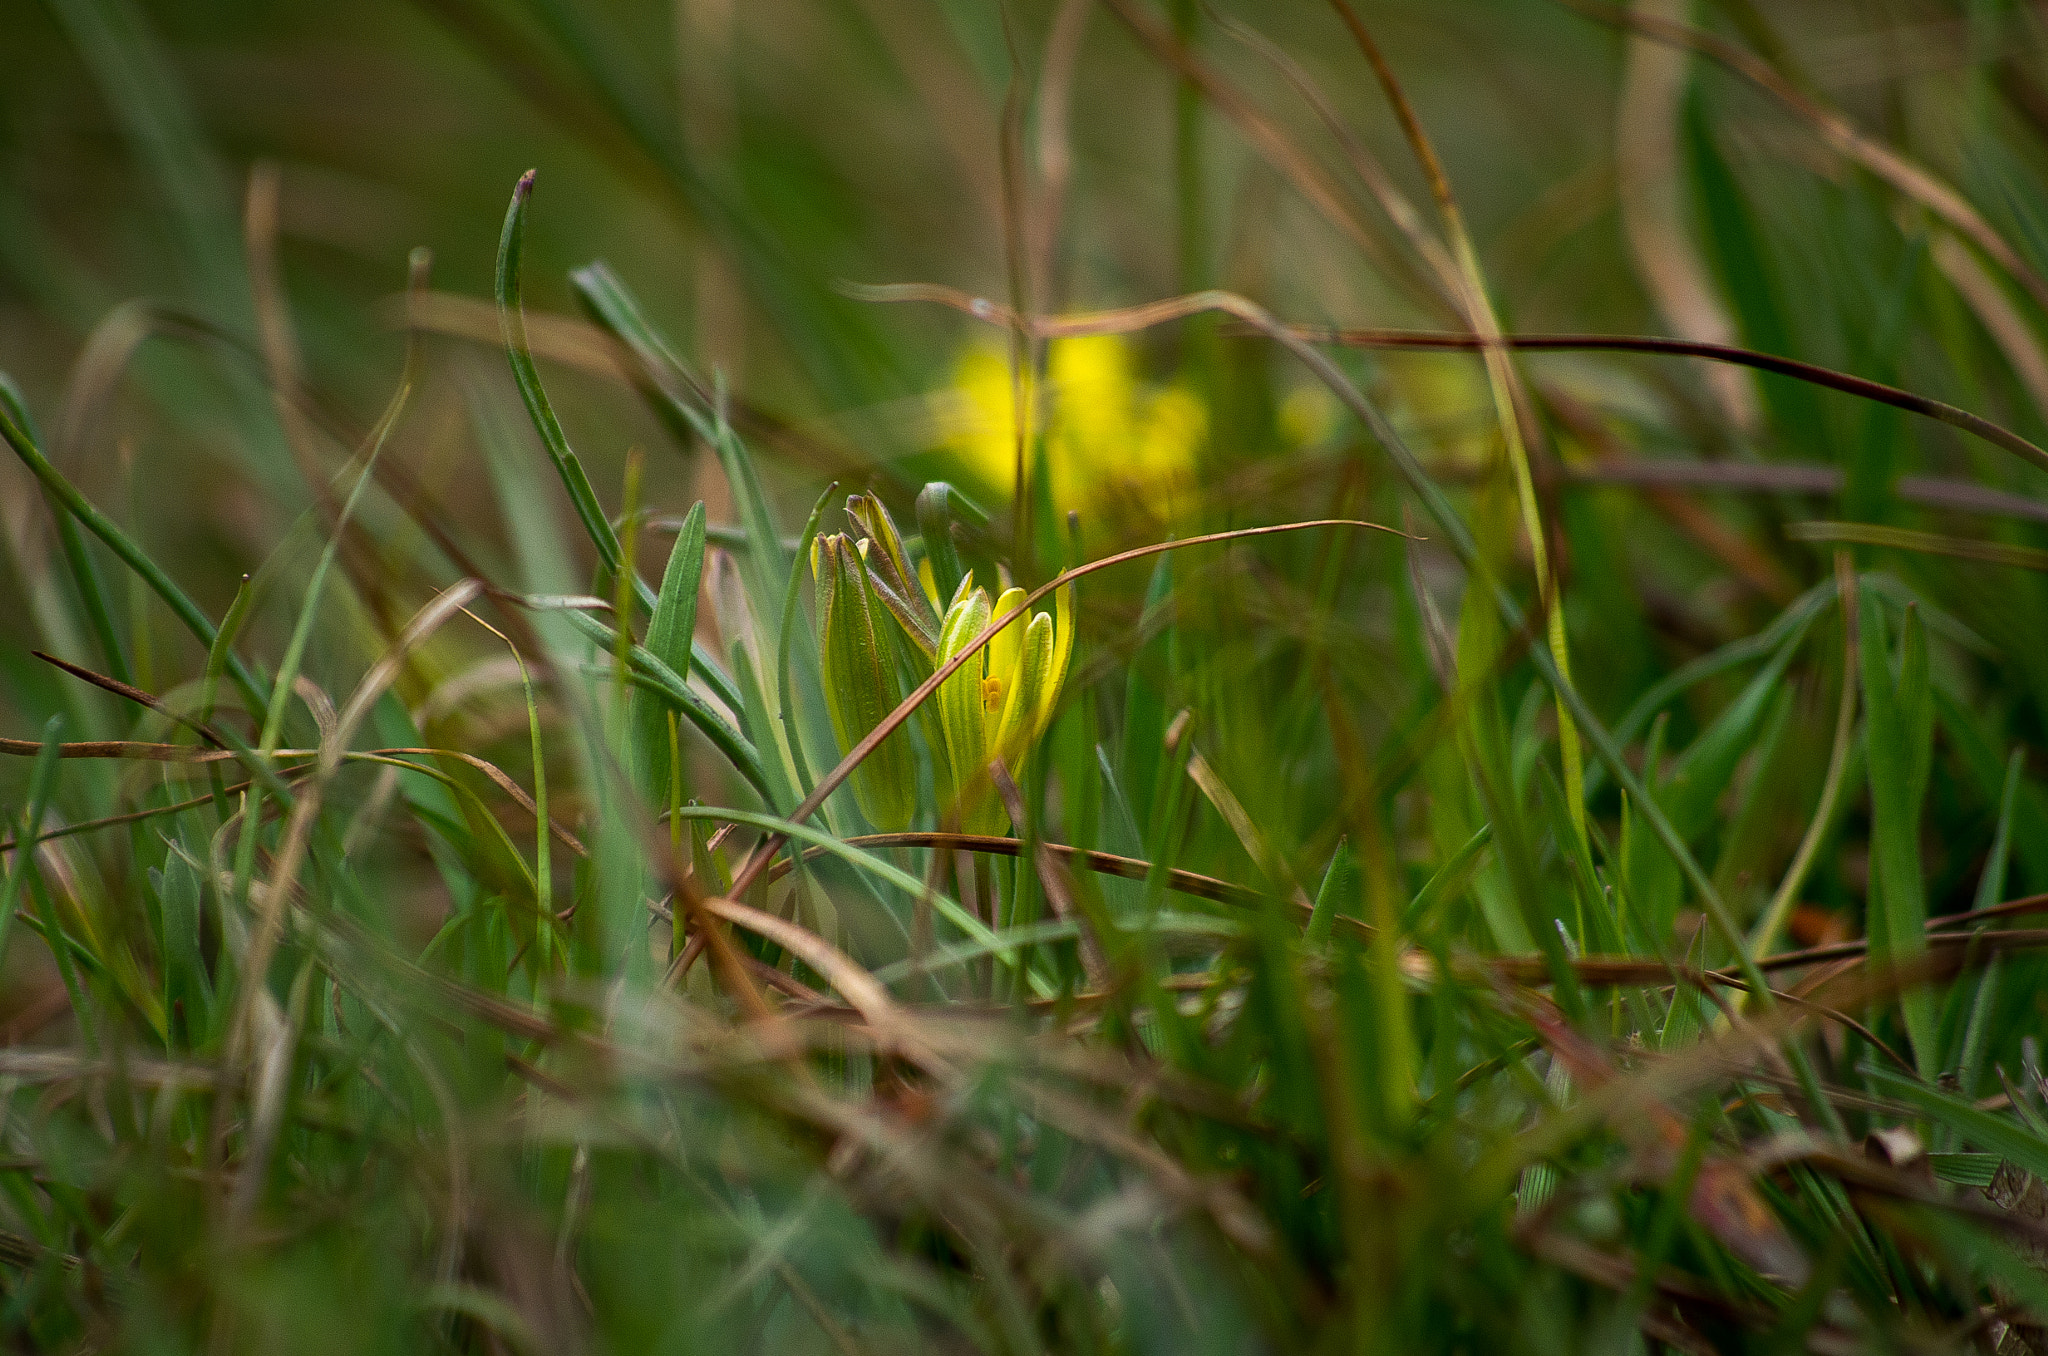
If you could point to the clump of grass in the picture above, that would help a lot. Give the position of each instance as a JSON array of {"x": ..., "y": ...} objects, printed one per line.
[{"x": 1429, "y": 921}]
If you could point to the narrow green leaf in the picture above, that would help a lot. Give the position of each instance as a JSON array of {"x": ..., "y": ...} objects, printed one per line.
[
  {"x": 1702, "y": 773},
  {"x": 1340, "y": 885},
  {"x": 42, "y": 784},
  {"x": 1975, "y": 1170},
  {"x": 670, "y": 630},
  {"x": 651, "y": 674},
  {"x": 85, "y": 576},
  {"x": 1971, "y": 1125},
  {"x": 1991, "y": 885},
  {"x": 122, "y": 545},
  {"x": 791, "y": 601},
  {"x": 188, "y": 991},
  {"x": 1897, "y": 728},
  {"x": 223, "y": 646},
  {"x": 943, "y": 905},
  {"x": 889, "y": 562},
  {"x": 512, "y": 323},
  {"x": 1449, "y": 880}
]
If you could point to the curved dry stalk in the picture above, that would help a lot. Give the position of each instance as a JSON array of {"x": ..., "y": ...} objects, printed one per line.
[
  {"x": 134, "y": 694},
  {"x": 1811, "y": 373},
  {"x": 185, "y": 753},
  {"x": 2026, "y": 904},
  {"x": 136, "y": 748},
  {"x": 132, "y": 817},
  {"x": 2011, "y": 939},
  {"x": 1101, "y": 863},
  {"x": 855, "y": 985},
  {"x": 1650, "y": 192},
  {"x": 1928, "y": 543},
  {"x": 1802, "y": 478}
]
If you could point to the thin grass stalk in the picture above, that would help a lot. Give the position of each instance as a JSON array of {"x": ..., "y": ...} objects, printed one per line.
[
  {"x": 1511, "y": 401},
  {"x": 1764, "y": 935}
]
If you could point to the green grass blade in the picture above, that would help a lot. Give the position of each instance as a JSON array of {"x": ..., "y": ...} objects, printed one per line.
[
  {"x": 1991, "y": 884},
  {"x": 1896, "y": 732},
  {"x": 512, "y": 323},
  {"x": 1340, "y": 885},
  {"x": 650, "y": 674},
  {"x": 670, "y": 631},
  {"x": 85, "y": 575},
  {"x": 791, "y": 622},
  {"x": 41, "y": 786},
  {"x": 221, "y": 651},
  {"x": 122, "y": 545},
  {"x": 946, "y": 907}
]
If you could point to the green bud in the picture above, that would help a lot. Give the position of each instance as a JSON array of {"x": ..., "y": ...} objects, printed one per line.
[{"x": 860, "y": 680}]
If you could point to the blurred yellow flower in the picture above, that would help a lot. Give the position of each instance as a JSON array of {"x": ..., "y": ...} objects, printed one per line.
[
  {"x": 1112, "y": 443},
  {"x": 1444, "y": 402}
]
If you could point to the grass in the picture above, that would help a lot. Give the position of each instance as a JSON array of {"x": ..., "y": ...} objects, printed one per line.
[{"x": 1335, "y": 708}]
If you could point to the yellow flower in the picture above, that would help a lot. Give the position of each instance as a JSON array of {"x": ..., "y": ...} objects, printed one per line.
[
  {"x": 995, "y": 707},
  {"x": 1445, "y": 400},
  {"x": 1112, "y": 443}
]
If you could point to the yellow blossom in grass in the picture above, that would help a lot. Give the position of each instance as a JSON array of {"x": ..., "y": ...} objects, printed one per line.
[
  {"x": 1113, "y": 443},
  {"x": 996, "y": 706}
]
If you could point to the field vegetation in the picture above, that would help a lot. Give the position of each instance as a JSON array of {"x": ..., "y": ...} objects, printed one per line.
[{"x": 852, "y": 676}]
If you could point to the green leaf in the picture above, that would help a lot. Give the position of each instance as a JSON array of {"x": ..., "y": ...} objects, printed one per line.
[
  {"x": 940, "y": 509},
  {"x": 894, "y": 581},
  {"x": 187, "y": 988},
  {"x": 1975, "y": 1170},
  {"x": 1449, "y": 881},
  {"x": 512, "y": 322},
  {"x": 1340, "y": 886},
  {"x": 670, "y": 632},
  {"x": 122, "y": 545},
  {"x": 1991, "y": 885},
  {"x": 1897, "y": 731},
  {"x": 42, "y": 783},
  {"x": 792, "y": 733},
  {"x": 890, "y": 563},
  {"x": 942, "y": 904},
  {"x": 1703, "y": 771},
  {"x": 1971, "y": 1125},
  {"x": 651, "y": 674}
]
